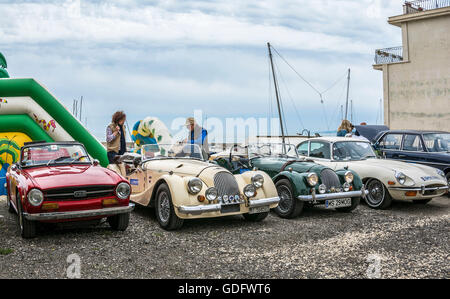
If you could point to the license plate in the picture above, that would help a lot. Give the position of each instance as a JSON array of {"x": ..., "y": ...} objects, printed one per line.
[
  {"x": 259, "y": 210},
  {"x": 338, "y": 203},
  {"x": 230, "y": 208}
]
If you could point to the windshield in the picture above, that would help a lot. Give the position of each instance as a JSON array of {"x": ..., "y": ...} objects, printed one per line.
[
  {"x": 346, "y": 151},
  {"x": 53, "y": 154},
  {"x": 272, "y": 150},
  {"x": 171, "y": 151},
  {"x": 438, "y": 142}
]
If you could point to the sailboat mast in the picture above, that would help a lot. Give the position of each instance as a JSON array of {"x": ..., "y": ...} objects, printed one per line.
[
  {"x": 283, "y": 138},
  {"x": 348, "y": 89}
]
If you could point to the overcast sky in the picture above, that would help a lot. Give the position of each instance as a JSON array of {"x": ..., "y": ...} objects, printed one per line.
[{"x": 166, "y": 58}]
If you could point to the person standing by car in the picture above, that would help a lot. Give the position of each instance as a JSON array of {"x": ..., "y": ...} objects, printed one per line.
[
  {"x": 345, "y": 128},
  {"x": 115, "y": 136},
  {"x": 197, "y": 135}
]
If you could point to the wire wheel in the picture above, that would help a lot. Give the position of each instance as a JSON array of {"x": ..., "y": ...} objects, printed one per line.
[
  {"x": 285, "y": 204},
  {"x": 378, "y": 197},
  {"x": 164, "y": 207}
]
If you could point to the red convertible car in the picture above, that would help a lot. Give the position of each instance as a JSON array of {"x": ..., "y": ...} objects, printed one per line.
[{"x": 58, "y": 182}]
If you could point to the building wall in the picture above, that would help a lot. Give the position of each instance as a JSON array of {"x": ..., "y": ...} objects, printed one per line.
[{"x": 417, "y": 93}]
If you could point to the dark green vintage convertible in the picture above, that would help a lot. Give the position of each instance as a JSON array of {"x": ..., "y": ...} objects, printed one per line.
[{"x": 298, "y": 181}]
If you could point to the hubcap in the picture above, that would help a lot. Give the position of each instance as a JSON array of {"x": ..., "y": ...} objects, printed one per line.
[
  {"x": 164, "y": 207},
  {"x": 376, "y": 193},
  {"x": 285, "y": 203}
]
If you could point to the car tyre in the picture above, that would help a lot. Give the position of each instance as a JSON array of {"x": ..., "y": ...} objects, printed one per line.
[
  {"x": 355, "y": 203},
  {"x": 378, "y": 196},
  {"x": 27, "y": 228},
  {"x": 289, "y": 207},
  {"x": 119, "y": 222},
  {"x": 164, "y": 210},
  {"x": 448, "y": 182},
  {"x": 256, "y": 217},
  {"x": 9, "y": 205}
]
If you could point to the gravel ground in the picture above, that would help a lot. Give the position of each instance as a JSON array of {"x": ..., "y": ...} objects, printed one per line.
[{"x": 409, "y": 241}]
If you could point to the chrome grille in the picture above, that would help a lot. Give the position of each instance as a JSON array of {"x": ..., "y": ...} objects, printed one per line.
[
  {"x": 226, "y": 184},
  {"x": 79, "y": 193},
  {"x": 330, "y": 178}
]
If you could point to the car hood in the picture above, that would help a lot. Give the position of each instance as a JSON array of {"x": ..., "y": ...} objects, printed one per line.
[
  {"x": 183, "y": 167},
  {"x": 71, "y": 176},
  {"x": 417, "y": 172}
]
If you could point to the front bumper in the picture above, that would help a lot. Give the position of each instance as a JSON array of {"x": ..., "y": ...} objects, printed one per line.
[
  {"x": 330, "y": 196},
  {"x": 422, "y": 190},
  {"x": 79, "y": 214},
  {"x": 202, "y": 209}
]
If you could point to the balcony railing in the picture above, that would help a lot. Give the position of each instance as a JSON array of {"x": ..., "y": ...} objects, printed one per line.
[
  {"x": 389, "y": 55},
  {"x": 422, "y": 5}
]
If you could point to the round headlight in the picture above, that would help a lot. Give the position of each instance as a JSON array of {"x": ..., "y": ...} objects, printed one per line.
[
  {"x": 211, "y": 194},
  {"x": 349, "y": 177},
  {"x": 195, "y": 185},
  {"x": 123, "y": 190},
  {"x": 35, "y": 197},
  {"x": 312, "y": 179},
  {"x": 346, "y": 187},
  {"x": 401, "y": 177},
  {"x": 258, "y": 181},
  {"x": 250, "y": 191},
  {"x": 322, "y": 189}
]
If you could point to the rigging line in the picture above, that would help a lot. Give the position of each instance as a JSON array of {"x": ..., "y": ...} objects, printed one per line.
[
  {"x": 336, "y": 113},
  {"x": 270, "y": 89},
  {"x": 290, "y": 97},
  {"x": 335, "y": 83},
  {"x": 306, "y": 81},
  {"x": 295, "y": 71}
]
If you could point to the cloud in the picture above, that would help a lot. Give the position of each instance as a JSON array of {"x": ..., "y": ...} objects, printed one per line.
[{"x": 167, "y": 58}]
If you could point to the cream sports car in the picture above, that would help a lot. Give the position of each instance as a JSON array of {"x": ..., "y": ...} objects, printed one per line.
[
  {"x": 384, "y": 179},
  {"x": 180, "y": 184}
]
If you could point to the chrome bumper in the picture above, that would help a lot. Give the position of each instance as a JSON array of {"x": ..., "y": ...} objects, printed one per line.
[
  {"x": 202, "y": 209},
  {"x": 79, "y": 214},
  {"x": 330, "y": 196},
  {"x": 421, "y": 189}
]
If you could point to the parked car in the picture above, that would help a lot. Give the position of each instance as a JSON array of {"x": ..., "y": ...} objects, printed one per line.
[
  {"x": 58, "y": 182},
  {"x": 181, "y": 184},
  {"x": 431, "y": 148},
  {"x": 298, "y": 181},
  {"x": 385, "y": 179}
]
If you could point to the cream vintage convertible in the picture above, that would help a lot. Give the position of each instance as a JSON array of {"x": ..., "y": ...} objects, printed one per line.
[
  {"x": 384, "y": 179},
  {"x": 181, "y": 184}
]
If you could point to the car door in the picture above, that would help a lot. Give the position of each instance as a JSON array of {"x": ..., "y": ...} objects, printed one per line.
[
  {"x": 412, "y": 149},
  {"x": 390, "y": 145}
]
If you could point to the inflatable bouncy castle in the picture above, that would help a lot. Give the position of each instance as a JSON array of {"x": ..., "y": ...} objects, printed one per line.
[
  {"x": 150, "y": 130},
  {"x": 29, "y": 112}
]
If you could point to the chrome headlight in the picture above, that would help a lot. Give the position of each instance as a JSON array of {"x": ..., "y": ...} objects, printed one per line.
[
  {"x": 348, "y": 177},
  {"x": 346, "y": 187},
  {"x": 123, "y": 190},
  {"x": 322, "y": 189},
  {"x": 312, "y": 179},
  {"x": 258, "y": 181},
  {"x": 441, "y": 173},
  {"x": 211, "y": 194},
  {"x": 401, "y": 177},
  {"x": 250, "y": 191},
  {"x": 35, "y": 197},
  {"x": 195, "y": 185}
]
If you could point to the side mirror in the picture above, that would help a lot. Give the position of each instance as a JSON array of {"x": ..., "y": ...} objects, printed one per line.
[{"x": 95, "y": 162}]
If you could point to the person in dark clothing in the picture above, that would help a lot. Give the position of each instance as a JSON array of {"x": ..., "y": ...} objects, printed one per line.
[{"x": 115, "y": 136}]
